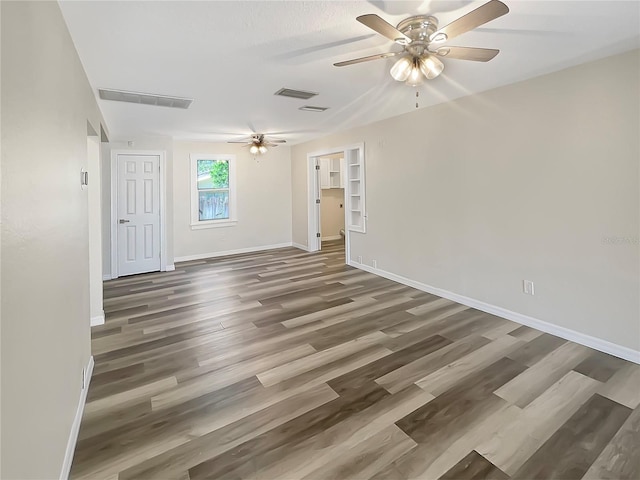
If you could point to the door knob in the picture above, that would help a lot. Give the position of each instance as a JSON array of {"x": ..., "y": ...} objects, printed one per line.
[{"x": 124, "y": 221}]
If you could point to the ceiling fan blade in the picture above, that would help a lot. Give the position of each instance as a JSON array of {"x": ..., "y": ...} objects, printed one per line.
[
  {"x": 374, "y": 22},
  {"x": 277, "y": 141},
  {"x": 366, "y": 59},
  {"x": 288, "y": 132},
  {"x": 481, "y": 15},
  {"x": 468, "y": 53}
]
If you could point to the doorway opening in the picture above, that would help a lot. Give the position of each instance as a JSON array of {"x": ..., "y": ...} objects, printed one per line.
[
  {"x": 332, "y": 218},
  {"x": 94, "y": 197},
  {"x": 335, "y": 197}
]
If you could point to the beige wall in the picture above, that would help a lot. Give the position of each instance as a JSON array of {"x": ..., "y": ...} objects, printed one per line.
[
  {"x": 0, "y": 252},
  {"x": 149, "y": 143},
  {"x": 299, "y": 191},
  {"x": 263, "y": 195},
  {"x": 527, "y": 181},
  {"x": 46, "y": 102},
  {"x": 331, "y": 211}
]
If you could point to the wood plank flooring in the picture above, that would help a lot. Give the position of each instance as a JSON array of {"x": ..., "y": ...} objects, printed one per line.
[{"x": 290, "y": 365}]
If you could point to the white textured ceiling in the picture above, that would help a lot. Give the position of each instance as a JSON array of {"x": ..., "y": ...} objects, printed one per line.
[{"x": 232, "y": 56}]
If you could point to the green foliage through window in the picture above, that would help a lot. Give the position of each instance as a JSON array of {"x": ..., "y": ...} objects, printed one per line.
[
  {"x": 213, "y": 174},
  {"x": 220, "y": 174}
]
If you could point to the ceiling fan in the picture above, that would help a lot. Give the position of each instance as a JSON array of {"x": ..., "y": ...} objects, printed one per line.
[
  {"x": 421, "y": 42},
  {"x": 258, "y": 143}
]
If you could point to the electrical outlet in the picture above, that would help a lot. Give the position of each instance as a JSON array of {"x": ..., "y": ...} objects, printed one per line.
[
  {"x": 359, "y": 258},
  {"x": 527, "y": 287},
  {"x": 374, "y": 264}
]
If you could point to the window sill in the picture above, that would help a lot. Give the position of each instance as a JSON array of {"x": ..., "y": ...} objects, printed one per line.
[{"x": 214, "y": 224}]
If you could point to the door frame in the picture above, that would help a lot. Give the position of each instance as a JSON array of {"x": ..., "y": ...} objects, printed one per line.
[
  {"x": 114, "y": 207},
  {"x": 313, "y": 227},
  {"x": 94, "y": 202}
]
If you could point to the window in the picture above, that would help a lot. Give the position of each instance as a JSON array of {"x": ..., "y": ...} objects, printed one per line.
[{"x": 213, "y": 193}]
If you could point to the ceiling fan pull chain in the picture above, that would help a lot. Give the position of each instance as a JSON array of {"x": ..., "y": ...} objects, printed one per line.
[{"x": 417, "y": 95}]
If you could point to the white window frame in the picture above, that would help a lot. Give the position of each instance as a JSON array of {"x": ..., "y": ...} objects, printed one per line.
[{"x": 196, "y": 223}]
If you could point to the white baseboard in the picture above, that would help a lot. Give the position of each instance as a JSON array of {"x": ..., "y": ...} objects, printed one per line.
[
  {"x": 300, "y": 246},
  {"x": 106, "y": 277},
  {"x": 97, "y": 320},
  {"x": 75, "y": 426},
  {"x": 170, "y": 268},
  {"x": 605, "y": 346},
  {"x": 332, "y": 237},
  {"x": 201, "y": 256}
]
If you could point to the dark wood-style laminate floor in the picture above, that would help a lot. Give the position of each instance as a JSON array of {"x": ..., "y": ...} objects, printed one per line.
[{"x": 290, "y": 365}]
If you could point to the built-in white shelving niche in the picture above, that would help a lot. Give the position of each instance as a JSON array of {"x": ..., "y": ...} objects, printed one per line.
[{"x": 356, "y": 217}]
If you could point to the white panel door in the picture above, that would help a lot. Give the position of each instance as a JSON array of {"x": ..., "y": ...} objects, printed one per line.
[{"x": 138, "y": 221}]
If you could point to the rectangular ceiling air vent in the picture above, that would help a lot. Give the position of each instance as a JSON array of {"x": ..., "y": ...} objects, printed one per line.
[
  {"x": 301, "y": 94},
  {"x": 145, "y": 98},
  {"x": 311, "y": 108}
]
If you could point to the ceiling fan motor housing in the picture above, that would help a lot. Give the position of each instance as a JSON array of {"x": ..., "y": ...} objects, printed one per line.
[{"x": 419, "y": 27}]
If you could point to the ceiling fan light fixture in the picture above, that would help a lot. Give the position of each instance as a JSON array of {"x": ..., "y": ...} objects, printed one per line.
[
  {"x": 430, "y": 66},
  {"x": 253, "y": 149},
  {"x": 262, "y": 149},
  {"x": 415, "y": 77},
  {"x": 402, "y": 69}
]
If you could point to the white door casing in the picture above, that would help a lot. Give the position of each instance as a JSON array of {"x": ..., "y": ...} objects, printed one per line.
[
  {"x": 313, "y": 189},
  {"x": 138, "y": 213},
  {"x": 318, "y": 199}
]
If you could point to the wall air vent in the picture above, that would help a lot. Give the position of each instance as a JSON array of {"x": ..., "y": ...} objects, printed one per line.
[
  {"x": 311, "y": 108},
  {"x": 300, "y": 94},
  {"x": 145, "y": 98}
]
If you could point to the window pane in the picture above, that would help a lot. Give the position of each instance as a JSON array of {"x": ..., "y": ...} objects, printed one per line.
[
  {"x": 213, "y": 174},
  {"x": 213, "y": 205}
]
